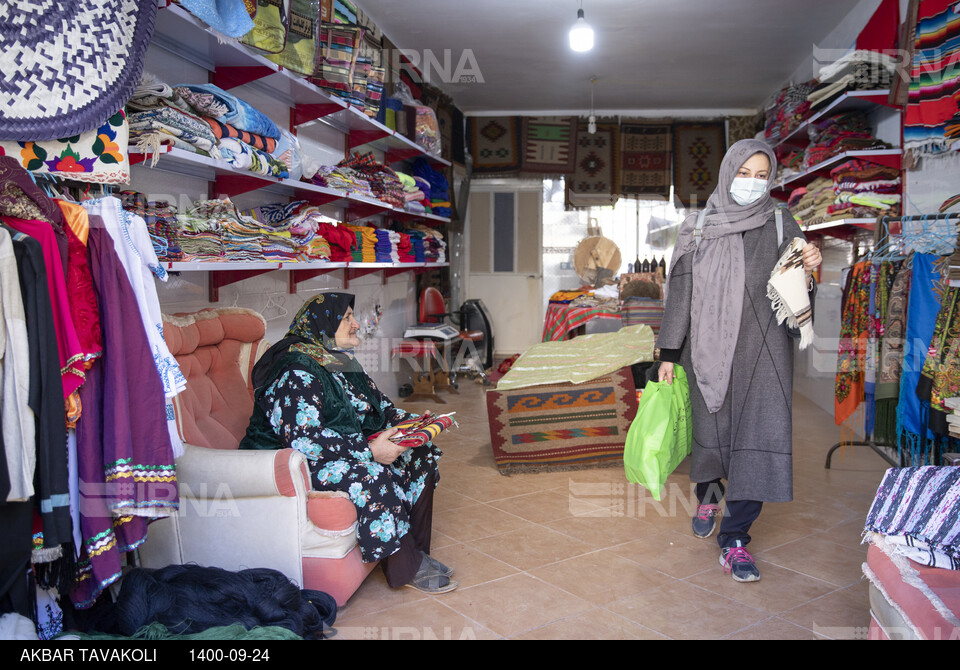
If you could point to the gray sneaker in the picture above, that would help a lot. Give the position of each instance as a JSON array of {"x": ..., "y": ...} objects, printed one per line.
[
  {"x": 705, "y": 521},
  {"x": 738, "y": 562}
]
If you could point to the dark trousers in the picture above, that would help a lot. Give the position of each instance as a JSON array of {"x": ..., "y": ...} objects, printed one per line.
[
  {"x": 401, "y": 566},
  {"x": 739, "y": 516}
]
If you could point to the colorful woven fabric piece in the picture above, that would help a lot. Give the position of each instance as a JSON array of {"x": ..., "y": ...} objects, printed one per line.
[
  {"x": 934, "y": 94},
  {"x": 647, "y": 311},
  {"x": 417, "y": 431},
  {"x": 596, "y": 177},
  {"x": 562, "y": 426},
  {"x": 495, "y": 144},
  {"x": 65, "y": 68},
  {"x": 562, "y": 318},
  {"x": 645, "y": 168},
  {"x": 698, "y": 149},
  {"x": 98, "y": 156}
]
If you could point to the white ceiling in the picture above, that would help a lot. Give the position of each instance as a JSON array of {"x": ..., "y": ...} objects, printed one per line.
[{"x": 650, "y": 55}]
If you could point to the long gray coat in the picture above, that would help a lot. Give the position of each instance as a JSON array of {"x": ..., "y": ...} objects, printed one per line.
[{"x": 748, "y": 441}]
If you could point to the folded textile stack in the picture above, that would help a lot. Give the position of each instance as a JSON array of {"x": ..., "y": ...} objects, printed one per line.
[
  {"x": 202, "y": 118},
  {"x": 200, "y": 239},
  {"x": 417, "y": 245},
  {"x": 342, "y": 241},
  {"x": 383, "y": 181},
  {"x": 240, "y": 236},
  {"x": 857, "y": 70},
  {"x": 837, "y": 134},
  {"x": 304, "y": 229},
  {"x": 953, "y": 418},
  {"x": 434, "y": 247},
  {"x": 787, "y": 110},
  {"x": 161, "y": 219},
  {"x": 810, "y": 204},
  {"x": 387, "y": 246},
  {"x": 366, "y": 243},
  {"x": 865, "y": 190},
  {"x": 343, "y": 179},
  {"x": 439, "y": 187},
  {"x": 152, "y": 129}
]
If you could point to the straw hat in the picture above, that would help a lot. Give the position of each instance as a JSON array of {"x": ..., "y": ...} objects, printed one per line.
[{"x": 66, "y": 67}]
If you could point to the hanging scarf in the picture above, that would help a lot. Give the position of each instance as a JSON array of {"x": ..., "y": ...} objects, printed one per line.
[
  {"x": 940, "y": 377},
  {"x": 851, "y": 363},
  {"x": 926, "y": 292},
  {"x": 892, "y": 287},
  {"x": 719, "y": 271}
]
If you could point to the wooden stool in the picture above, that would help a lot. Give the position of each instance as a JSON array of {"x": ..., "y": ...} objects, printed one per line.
[{"x": 424, "y": 352}]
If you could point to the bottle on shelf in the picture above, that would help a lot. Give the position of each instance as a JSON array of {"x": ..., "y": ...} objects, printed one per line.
[
  {"x": 646, "y": 265},
  {"x": 662, "y": 267},
  {"x": 636, "y": 264}
]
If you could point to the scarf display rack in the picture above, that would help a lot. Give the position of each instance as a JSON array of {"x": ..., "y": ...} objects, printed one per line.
[{"x": 878, "y": 328}]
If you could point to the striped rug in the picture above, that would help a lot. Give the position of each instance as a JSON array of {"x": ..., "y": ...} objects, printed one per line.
[{"x": 562, "y": 426}]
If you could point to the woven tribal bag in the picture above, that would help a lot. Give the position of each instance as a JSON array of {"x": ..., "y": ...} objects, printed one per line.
[{"x": 66, "y": 67}]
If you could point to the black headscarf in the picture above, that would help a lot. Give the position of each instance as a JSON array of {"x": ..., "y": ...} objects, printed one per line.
[{"x": 316, "y": 325}]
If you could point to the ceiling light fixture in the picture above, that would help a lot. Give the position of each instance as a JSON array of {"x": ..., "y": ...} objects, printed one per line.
[{"x": 581, "y": 35}]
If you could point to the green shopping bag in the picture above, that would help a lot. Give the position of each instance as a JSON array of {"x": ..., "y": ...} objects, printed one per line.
[{"x": 661, "y": 433}]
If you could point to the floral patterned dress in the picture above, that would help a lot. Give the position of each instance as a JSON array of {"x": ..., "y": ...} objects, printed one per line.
[{"x": 328, "y": 415}]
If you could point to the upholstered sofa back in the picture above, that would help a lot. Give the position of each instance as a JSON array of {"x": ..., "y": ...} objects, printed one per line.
[{"x": 216, "y": 350}]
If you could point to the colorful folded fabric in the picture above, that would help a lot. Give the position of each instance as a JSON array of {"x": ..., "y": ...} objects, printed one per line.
[
  {"x": 225, "y": 130},
  {"x": 239, "y": 114},
  {"x": 418, "y": 431}
]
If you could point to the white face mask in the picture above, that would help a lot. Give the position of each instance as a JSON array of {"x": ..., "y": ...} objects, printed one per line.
[{"x": 747, "y": 190}]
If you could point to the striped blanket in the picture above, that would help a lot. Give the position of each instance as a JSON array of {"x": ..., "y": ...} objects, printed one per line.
[{"x": 920, "y": 509}]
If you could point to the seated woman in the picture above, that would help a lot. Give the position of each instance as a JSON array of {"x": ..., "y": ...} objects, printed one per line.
[{"x": 312, "y": 395}]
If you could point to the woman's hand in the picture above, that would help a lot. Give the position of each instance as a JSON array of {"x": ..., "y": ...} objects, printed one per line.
[
  {"x": 383, "y": 449},
  {"x": 811, "y": 258},
  {"x": 665, "y": 373}
]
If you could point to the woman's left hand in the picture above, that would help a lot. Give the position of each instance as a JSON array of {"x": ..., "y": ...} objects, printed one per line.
[{"x": 811, "y": 258}]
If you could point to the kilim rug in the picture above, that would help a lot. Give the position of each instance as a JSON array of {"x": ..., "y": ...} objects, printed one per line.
[
  {"x": 647, "y": 311},
  {"x": 549, "y": 144},
  {"x": 645, "y": 159},
  {"x": 697, "y": 152},
  {"x": 596, "y": 177},
  {"x": 562, "y": 426},
  {"x": 495, "y": 144}
]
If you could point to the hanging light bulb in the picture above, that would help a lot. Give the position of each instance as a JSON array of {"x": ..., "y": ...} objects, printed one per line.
[{"x": 581, "y": 35}]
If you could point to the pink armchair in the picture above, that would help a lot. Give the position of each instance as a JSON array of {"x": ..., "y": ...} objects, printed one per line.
[{"x": 245, "y": 509}]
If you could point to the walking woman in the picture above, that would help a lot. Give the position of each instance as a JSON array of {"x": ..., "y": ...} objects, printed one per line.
[{"x": 719, "y": 325}]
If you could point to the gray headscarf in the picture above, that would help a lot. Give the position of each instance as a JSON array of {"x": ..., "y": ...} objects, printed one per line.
[{"x": 718, "y": 271}]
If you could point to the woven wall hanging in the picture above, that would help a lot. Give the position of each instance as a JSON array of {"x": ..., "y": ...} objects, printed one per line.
[{"x": 66, "y": 67}]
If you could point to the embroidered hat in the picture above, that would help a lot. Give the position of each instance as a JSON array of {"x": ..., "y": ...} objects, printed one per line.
[{"x": 66, "y": 67}]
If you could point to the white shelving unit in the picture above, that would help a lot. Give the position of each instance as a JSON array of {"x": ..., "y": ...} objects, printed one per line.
[{"x": 231, "y": 64}]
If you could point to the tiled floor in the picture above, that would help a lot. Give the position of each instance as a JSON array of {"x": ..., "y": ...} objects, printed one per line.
[{"x": 585, "y": 555}]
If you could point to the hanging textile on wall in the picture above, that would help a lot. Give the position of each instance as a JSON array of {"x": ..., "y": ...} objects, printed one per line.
[
  {"x": 934, "y": 97},
  {"x": 98, "y": 156},
  {"x": 595, "y": 180},
  {"x": 56, "y": 80},
  {"x": 698, "y": 149},
  {"x": 495, "y": 145},
  {"x": 549, "y": 144},
  {"x": 645, "y": 159}
]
